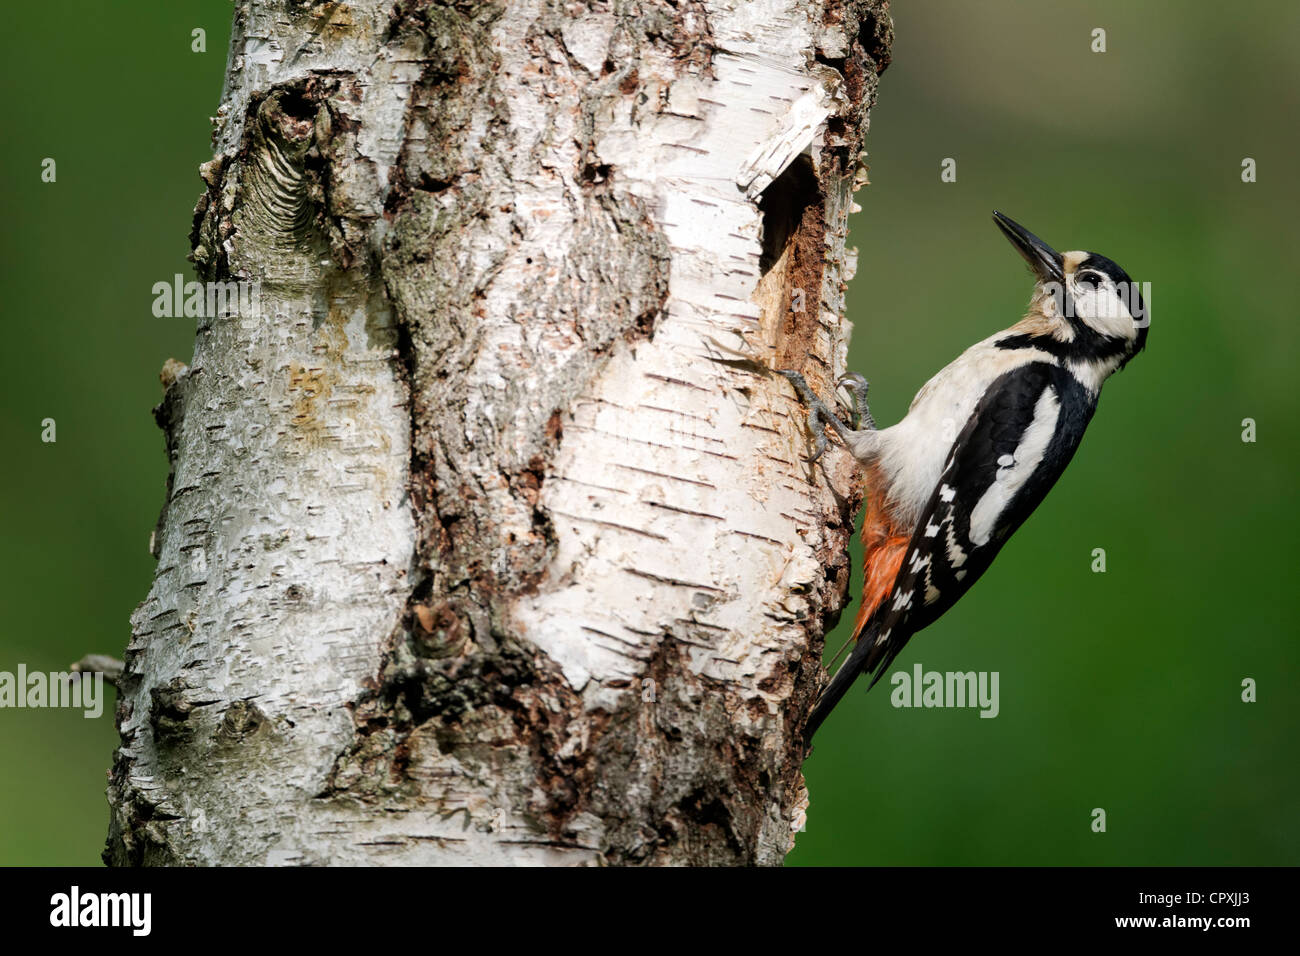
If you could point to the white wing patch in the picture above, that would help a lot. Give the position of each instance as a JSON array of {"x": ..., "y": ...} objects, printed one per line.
[{"x": 1012, "y": 475}]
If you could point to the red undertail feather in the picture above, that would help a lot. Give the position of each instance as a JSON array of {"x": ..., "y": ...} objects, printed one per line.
[{"x": 884, "y": 545}]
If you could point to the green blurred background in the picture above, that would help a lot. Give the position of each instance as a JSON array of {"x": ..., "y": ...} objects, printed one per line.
[{"x": 1119, "y": 690}]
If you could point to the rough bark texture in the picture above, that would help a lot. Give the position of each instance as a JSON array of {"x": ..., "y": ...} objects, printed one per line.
[{"x": 471, "y": 553}]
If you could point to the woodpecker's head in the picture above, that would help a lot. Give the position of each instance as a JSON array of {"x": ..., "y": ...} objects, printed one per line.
[{"x": 1081, "y": 299}]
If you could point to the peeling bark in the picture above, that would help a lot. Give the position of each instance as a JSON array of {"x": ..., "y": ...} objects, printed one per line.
[{"x": 471, "y": 553}]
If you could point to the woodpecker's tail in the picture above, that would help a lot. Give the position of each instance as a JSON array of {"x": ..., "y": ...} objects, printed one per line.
[{"x": 864, "y": 656}]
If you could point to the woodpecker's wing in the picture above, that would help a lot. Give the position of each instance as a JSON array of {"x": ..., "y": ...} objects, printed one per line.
[{"x": 1022, "y": 434}]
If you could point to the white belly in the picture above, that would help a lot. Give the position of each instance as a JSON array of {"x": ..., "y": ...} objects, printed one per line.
[{"x": 913, "y": 452}]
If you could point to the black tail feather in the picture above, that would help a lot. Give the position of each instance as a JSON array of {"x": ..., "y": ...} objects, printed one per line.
[{"x": 865, "y": 657}]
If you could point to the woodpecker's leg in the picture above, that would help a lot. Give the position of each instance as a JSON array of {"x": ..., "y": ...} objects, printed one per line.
[
  {"x": 818, "y": 413},
  {"x": 857, "y": 386}
]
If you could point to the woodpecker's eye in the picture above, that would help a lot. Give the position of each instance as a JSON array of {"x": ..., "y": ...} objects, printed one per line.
[{"x": 1090, "y": 277}]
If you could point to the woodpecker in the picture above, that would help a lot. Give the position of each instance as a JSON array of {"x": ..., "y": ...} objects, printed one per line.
[{"x": 982, "y": 443}]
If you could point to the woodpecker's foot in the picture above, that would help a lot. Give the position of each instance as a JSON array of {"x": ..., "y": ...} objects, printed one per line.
[
  {"x": 818, "y": 414},
  {"x": 856, "y": 386}
]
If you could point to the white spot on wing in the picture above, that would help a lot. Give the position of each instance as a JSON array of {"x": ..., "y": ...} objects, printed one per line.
[{"x": 947, "y": 493}]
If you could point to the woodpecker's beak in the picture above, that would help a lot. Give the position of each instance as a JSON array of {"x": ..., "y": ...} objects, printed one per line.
[{"x": 1042, "y": 258}]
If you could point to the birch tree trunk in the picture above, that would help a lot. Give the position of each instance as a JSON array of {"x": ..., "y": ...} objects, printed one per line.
[{"x": 471, "y": 553}]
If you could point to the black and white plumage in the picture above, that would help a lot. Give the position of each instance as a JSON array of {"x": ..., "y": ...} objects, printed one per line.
[{"x": 940, "y": 508}]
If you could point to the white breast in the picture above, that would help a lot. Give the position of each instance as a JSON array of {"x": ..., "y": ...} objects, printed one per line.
[{"x": 913, "y": 452}]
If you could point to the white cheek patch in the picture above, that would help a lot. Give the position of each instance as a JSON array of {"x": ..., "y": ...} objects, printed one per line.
[
  {"x": 1011, "y": 478},
  {"x": 1105, "y": 310}
]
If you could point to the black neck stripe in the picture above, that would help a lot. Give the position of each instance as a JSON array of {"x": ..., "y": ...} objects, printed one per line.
[{"x": 1086, "y": 346}]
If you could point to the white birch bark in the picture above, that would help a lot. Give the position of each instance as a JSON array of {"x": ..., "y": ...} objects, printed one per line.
[{"x": 471, "y": 554}]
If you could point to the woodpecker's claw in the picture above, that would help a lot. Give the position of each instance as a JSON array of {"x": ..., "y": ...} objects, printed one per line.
[
  {"x": 856, "y": 385},
  {"x": 818, "y": 414},
  {"x": 816, "y": 424},
  {"x": 801, "y": 387}
]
